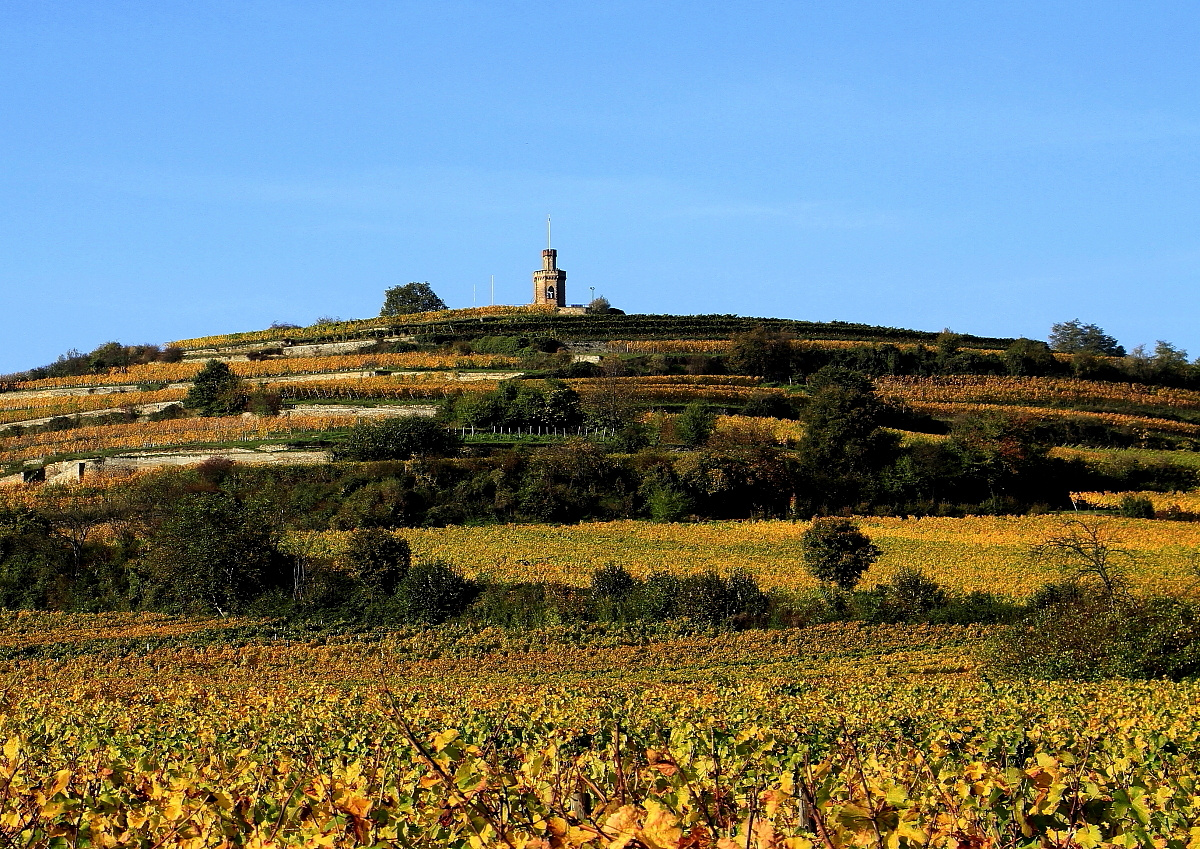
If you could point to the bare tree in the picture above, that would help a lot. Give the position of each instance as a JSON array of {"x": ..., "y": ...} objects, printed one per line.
[{"x": 1087, "y": 549}]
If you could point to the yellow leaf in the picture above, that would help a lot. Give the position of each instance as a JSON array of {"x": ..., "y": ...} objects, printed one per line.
[
  {"x": 356, "y": 806},
  {"x": 441, "y": 741},
  {"x": 61, "y": 779},
  {"x": 661, "y": 829},
  {"x": 174, "y": 807},
  {"x": 622, "y": 827}
]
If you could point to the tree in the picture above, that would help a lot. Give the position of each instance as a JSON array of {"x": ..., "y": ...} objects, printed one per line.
[
  {"x": 844, "y": 448},
  {"x": 612, "y": 581},
  {"x": 1169, "y": 361},
  {"x": 432, "y": 592},
  {"x": 1003, "y": 454},
  {"x": 214, "y": 554},
  {"x": 1029, "y": 358},
  {"x": 215, "y": 391},
  {"x": 695, "y": 424},
  {"x": 377, "y": 559},
  {"x": 599, "y": 305},
  {"x": 761, "y": 352},
  {"x": 837, "y": 552},
  {"x": 399, "y": 438},
  {"x": 1087, "y": 549},
  {"x": 1069, "y": 337},
  {"x": 410, "y": 298}
]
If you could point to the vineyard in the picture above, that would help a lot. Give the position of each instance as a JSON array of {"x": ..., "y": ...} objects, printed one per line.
[
  {"x": 348, "y": 329},
  {"x": 290, "y": 722},
  {"x": 833, "y": 736},
  {"x": 184, "y": 371},
  {"x": 20, "y": 408},
  {"x": 536, "y": 321},
  {"x": 1034, "y": 391},
  {"x": 981, "y": 553},
  {"x": 169, "y": 433}
]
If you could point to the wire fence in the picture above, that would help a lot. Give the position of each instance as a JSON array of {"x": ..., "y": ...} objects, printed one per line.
[{"x": 534, "y": 431}]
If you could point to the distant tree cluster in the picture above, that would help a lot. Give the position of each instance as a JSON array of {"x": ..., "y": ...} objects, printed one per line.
[
  {"x": 1073, "y": 337},
  {"x": 110, "y": 355}
]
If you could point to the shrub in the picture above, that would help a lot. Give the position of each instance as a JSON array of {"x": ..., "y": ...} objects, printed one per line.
[
  {"x": 657, "y": 597},
  {"x": 710, "y": 598},
  {"x": 397, "y": 439},
  {"x": 612, "y": 581},
  {"x": 667, "y": 504},
  {"x": 912, "y": 595},
  {"x": 695, "y": 424},
  {"x": 1136, "y": 507},
  {"x": 1092, "y": 638},
  {"x": 837, "y": 552},
  {"x": 377, "y": 559},
  {"x": 433, "y": 591}
]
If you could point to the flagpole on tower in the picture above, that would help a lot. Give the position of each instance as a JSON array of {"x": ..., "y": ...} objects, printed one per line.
[{"x": 547, "y": 232}]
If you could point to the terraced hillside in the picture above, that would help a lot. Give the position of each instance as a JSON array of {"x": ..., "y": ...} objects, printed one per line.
[{"x": 391, "y": 366}]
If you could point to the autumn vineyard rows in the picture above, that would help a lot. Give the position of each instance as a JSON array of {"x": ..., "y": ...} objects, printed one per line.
[{"x": 834, "y": 736}]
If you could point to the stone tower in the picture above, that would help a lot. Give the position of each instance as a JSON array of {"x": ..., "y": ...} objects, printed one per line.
[{"x": 550, "y": 281}]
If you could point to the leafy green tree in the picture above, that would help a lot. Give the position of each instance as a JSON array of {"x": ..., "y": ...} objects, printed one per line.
[
  {"x": 844, "y": 449},
  {"x": 215, "y": 391},
  {"x": 33, "y": 560},
  {"x": 836, "y": 551},
  {"x": 695, "y": 424},
  {"x": 410, "y": 298},
  {"x": 213, "y": 554},
  {"x": 1169, "y": 361},
  {"x": 761, "y": 352},
  {"x": 432, "y": 592},
  {"x": 398, "y": 438},
  {"x": 1069, "y": 337},
  {"x": 1029, "y": 358},
  {"x": 1003, "y": 454},
  {"x": 377, "y": 559}
]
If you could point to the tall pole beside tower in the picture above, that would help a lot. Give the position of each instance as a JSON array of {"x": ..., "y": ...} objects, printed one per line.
[
  {"x": 493, "y": 290},
  {"x": 548, "y": 232}
]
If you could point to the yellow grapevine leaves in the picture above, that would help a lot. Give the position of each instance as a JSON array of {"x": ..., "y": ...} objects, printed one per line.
[{"x": 987, "y": 553}]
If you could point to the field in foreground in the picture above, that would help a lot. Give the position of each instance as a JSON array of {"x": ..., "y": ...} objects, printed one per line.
[
  {"x": 132, "y": 730},
  {"x": 987, "y": 553}
]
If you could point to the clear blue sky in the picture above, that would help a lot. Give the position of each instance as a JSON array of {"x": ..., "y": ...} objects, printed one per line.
[{"x": 172, "y": 169}]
